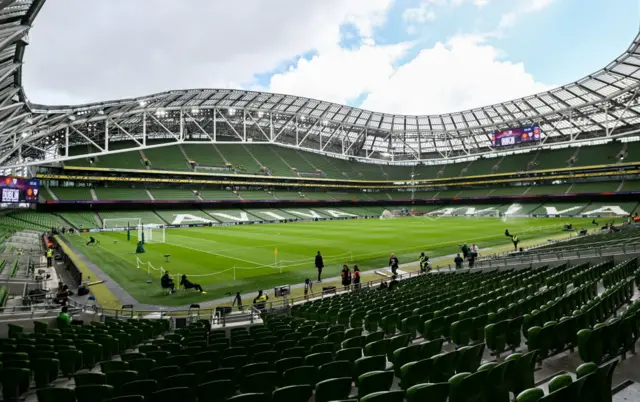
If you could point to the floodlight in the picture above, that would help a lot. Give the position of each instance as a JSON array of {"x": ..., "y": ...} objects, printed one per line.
[
  {"x": 194, "y": 111},
  {"x": 24, "y": 135},
  {"x": 232, "y": 112},
  {"x": 142, "y": 103}
]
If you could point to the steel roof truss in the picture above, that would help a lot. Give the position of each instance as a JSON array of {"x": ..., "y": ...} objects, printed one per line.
[{"x": 177, "y": 137}]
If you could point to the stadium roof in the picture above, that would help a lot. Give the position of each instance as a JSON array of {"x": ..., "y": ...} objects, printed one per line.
[{"x": 602, "y": 104}]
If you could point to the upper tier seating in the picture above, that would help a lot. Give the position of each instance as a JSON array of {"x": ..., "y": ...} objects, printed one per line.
[
  {"x": 204, "y": 154},
  {"x": 218, "y": 195},
  {"x": 72, "y": 193},
  {"x": 167, "y": 158},
  {"x": 121, "y": 193},
  {"x": 241, "y": 158},
  {"x": 173, "y": 194},
  {"x": 282, "y": 161}
]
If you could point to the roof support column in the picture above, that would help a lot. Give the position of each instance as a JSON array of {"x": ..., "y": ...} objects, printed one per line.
[
  {"x": 215, "y": 125},
  {"x": 144, "y": 128},
  {"x": 181, "y": 135},
  {"x": 66, "y": 142},
  {"x": 244, "y": 124},
  {"x": 106, "y": 135}
]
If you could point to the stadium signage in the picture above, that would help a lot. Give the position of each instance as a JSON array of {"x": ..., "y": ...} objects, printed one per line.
[{"x": 253, "y": 222}]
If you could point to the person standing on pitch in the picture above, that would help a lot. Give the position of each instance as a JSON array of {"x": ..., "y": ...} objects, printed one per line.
[
  {"x": 393, "y": 264},
  {"x": 319, "y": 265}
]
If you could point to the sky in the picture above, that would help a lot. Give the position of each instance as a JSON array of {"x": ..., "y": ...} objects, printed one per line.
[{"x": 394, "y": 56}]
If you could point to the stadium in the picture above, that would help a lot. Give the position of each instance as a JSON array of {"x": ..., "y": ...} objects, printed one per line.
[{"x": 496, "y": 247}]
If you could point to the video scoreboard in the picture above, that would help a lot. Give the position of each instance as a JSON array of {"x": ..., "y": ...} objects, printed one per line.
[
  {"x": 515, "y": 136},
  {"x": 18, "y": 190}
]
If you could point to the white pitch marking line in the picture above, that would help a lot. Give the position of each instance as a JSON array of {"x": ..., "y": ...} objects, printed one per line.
[{"x": 219, "y": 255}]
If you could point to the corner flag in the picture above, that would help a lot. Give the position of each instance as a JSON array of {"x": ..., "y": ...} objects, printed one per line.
[{"x": 275, "y": 252}]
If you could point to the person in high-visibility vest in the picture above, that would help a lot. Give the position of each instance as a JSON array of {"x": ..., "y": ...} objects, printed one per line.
[
  {"x": 260, "y": 300},
  {"x": 424, "y": 260},
  {"x": 49, "y": 255},
  {"x": 515, "y": 241}
]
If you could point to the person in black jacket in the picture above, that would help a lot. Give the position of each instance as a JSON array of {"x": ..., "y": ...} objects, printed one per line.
[
  {"x": 167, "y": 283},
  {"x": 187, "y": 284},
  {"x": 319, "y": 265},
  {"x": 393, "y": 264}
]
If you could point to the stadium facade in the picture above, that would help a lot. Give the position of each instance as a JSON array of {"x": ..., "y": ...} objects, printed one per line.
[{"x": 598, "y": 107}]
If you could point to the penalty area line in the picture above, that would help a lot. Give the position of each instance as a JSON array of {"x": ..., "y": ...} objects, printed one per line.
[{"x": 216, "y": 254}]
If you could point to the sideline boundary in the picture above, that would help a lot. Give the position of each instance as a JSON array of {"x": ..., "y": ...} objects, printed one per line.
[{"x": 104, "y": 296}]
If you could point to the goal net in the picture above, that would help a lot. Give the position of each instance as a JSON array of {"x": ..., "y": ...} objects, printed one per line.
[
  {"x": 149, "y": 234},
  {"x": 121, "y": 223},
  {"x": 390, "y": 214}
]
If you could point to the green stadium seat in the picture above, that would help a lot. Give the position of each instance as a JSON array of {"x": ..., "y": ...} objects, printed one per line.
[
  {"x": 140, "y": 387},
  {"x": 293, "y": 393},
  {"x": 45, "y": 371},
  {"x": 215, "y": 391},
  {"x": 467, "y": 387},
  {"x": 301, "y": 375},
  {"x": 182, "y": 394},
  {"x": 444, "y": 365},
  {"x": 432, "y": 392},
  {"x": 336, "y": 369},
  {"x": 51, "y": 394},
  {"x": 15, "y": 383},
  {"x": 187, "y": 380},
  {"x": 333, "y": 389},
  {"x": 368, "y": 364},
  {"x": 530, "y": 395},
  {"x": 249, "y": 398},
  {"x": 90, "y": 379}
]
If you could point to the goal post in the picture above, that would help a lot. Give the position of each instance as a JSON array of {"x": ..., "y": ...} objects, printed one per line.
[
  {"x": 121, "y": 223},
  {"x": 149, "y": 234}
]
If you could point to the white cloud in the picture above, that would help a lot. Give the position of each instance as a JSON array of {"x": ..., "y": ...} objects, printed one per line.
[
  {"x": 340, "y": 75},
  {"x": 419, "y": 14},
  {"x": 462, "y": 74},
  {"x": 425, "y": 10},
  {"x": 507, "y": 20},
  {"x": 510, "y": 19},
  {"x": 91, "y": 51},
  {"x": 537, "y": 5},
  {"x": 140, "y": 56}
]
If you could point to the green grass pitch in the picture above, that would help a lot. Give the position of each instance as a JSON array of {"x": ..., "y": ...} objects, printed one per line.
[{"x": 214, "y": 251}]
